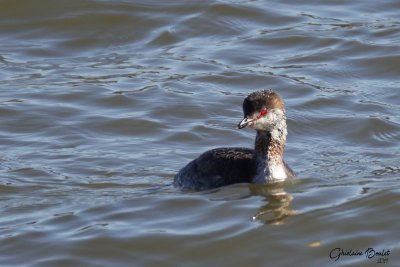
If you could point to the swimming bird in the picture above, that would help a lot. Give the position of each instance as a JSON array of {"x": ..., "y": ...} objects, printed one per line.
[{"x": 263, "y": 111}]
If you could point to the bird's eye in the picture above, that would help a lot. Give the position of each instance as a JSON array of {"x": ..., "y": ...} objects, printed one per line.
[{"x": 263, "y": 112}]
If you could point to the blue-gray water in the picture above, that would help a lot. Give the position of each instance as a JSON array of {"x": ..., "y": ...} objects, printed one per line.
[{"x": 102, "y": 102}]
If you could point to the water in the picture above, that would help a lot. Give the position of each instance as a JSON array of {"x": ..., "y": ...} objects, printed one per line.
[{"x": 102, "y": 102}]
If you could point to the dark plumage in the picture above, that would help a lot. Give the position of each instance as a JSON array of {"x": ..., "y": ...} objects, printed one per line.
[{"x": 218, "y": 167}]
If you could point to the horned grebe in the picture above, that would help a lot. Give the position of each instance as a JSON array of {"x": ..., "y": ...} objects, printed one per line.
[{"x": 263, "y": 111}]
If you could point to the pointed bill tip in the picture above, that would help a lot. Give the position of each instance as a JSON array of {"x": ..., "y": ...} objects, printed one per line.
[{"x": 243, "y": 123}]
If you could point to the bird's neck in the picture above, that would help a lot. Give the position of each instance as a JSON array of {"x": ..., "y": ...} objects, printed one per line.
[{"x": 268, "y": 149}]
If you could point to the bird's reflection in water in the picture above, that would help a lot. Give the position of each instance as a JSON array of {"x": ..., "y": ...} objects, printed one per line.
[{"x": 278, "y": 206}]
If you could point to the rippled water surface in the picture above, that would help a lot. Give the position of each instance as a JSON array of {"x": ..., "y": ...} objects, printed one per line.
[{"x": 102, "y": 102}]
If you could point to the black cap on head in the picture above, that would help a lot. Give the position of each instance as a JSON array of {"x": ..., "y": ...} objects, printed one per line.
[{"x": 257, "y": 100}]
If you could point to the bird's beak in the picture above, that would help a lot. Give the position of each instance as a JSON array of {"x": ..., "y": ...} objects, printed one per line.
[{"x": 243, "y": 123}]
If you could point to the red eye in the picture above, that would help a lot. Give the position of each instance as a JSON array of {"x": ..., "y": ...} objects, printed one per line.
[{"x": 263, "y": 112}]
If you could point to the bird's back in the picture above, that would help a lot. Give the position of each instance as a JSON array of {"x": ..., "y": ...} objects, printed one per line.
[{"x": 218, "y": 167}]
